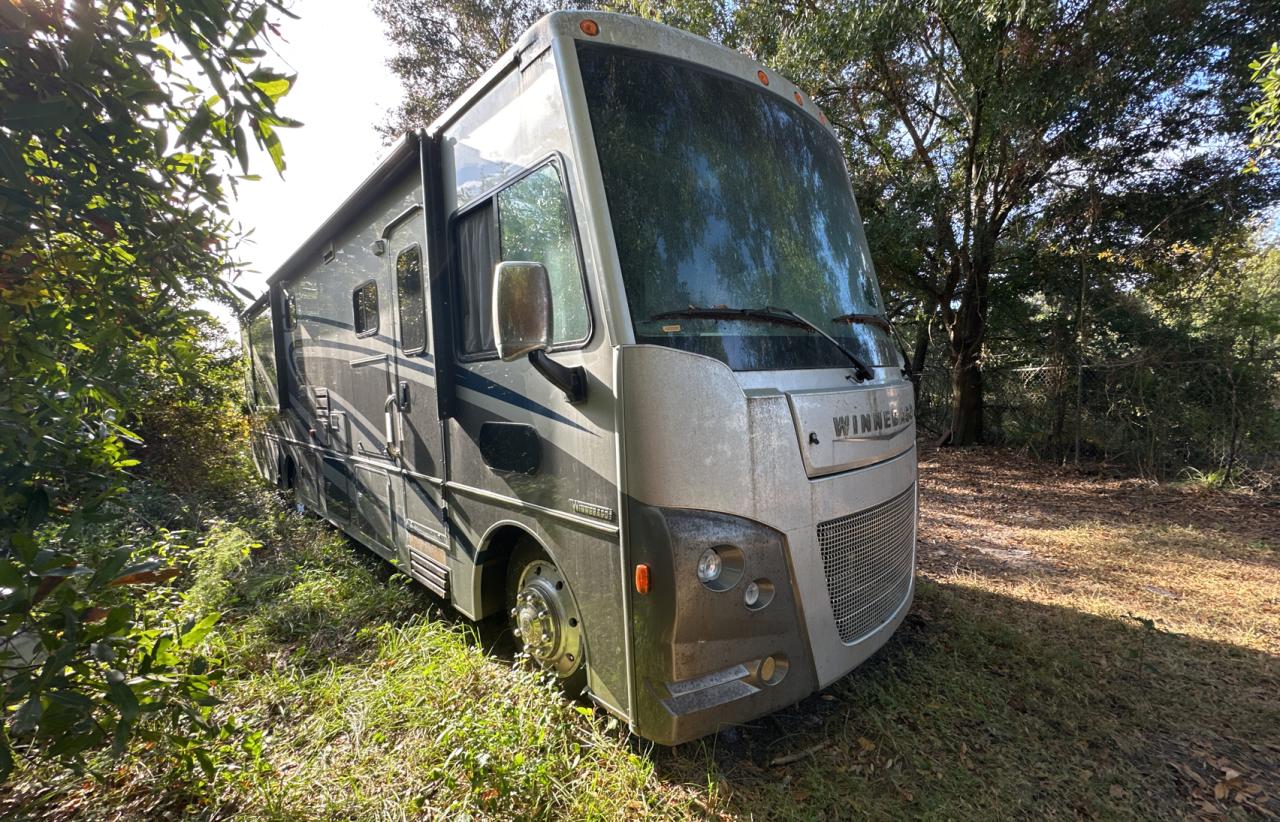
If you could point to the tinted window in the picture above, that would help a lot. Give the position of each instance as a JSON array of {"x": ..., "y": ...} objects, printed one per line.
[
  {"x": 365, "y": 306},
  {"x": 413, "y": 318},
  {"x": 533, "y": 215},
  {"x": 723, "y": 193},
  {"x": 530, "y": 223}
]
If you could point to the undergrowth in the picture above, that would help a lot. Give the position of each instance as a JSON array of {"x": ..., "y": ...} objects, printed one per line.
[{"x": 1110, "y": 667}]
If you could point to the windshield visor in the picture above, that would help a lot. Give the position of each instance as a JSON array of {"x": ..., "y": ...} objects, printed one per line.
[{"x": 725, "y": 194}]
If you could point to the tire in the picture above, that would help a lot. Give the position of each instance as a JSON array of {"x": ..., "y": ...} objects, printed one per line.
[{"x": 539, "y": 600}]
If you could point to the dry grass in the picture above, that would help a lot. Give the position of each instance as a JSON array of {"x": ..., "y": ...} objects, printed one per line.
[{"x": 1080, "y": 647}]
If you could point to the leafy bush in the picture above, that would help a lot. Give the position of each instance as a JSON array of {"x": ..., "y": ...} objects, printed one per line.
[{"x": 108, "y": 237}]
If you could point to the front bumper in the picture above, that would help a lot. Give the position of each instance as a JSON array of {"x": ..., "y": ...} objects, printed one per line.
[{"x": 704, "y": 659}]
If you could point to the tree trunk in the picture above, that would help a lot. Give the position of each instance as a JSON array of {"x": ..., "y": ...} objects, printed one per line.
[
  {"x": 921, "y": 352},
  {"x": 968, "y": 330},
  {"x": 966, "y": 399}
]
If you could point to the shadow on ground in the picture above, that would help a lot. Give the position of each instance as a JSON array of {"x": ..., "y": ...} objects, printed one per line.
[{"x": 987, "y": 705}]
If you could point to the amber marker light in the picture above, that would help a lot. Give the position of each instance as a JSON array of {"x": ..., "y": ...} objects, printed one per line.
[
  {"x": 642, "y": 579},
  {"x": 764, "y": 78},
  {"x": 799, "y": 99},
  {"x": 589, "y": 28}
]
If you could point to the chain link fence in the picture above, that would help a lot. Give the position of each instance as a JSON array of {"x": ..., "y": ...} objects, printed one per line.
[{"x": 1164, "y": 419}]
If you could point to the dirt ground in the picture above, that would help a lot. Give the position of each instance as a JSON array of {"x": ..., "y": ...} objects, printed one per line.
[{"x": 1081, "y": 645}]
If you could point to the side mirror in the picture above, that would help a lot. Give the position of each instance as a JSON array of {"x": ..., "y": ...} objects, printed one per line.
[
  {"x": 521, "y": 309},
  {"x": 522, "y": 324}
]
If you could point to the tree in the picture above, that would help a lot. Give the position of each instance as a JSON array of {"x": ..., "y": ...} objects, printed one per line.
[
  {"x": 118, "y": 124},
  {"x": 987, "y": 138},
  {"x": 443, "y": 46},
  {"x": 979, "y": 121},
  {"x": 1264, "y": 115}
]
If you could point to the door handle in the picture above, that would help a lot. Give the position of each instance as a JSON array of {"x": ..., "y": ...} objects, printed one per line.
[{"x": 388, "y": 411}]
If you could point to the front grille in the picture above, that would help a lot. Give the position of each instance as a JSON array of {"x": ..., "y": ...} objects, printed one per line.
[{"x": 868, "y": 558}]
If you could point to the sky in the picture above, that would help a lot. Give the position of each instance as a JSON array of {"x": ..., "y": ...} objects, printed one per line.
[{"x": 344, "y": 89}]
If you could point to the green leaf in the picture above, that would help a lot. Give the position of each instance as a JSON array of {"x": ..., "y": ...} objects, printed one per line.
[
  {"x": 27, "y": 716},
  {"x": 121, "y": 695},
  {"x": 206, "y": 762},
  {"x": 251, "y": 26},
  {"x": 242, "y": 148},
  {"x": 272, "y": 143},
  {"x": 198, "y": 631},
  {"x": 197, "y": 126},
  {"x": 275, "y": 88},
  {"x": 38, "y": 116}
]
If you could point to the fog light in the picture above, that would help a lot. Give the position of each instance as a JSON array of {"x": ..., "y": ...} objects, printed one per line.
[
  {"x": 757, "y": 594},
  {"x": 709, "y": 566},
  {"x": 773, "y": 669}
]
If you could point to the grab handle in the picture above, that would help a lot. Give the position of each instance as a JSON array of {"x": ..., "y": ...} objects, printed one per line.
[{"x": 388, "y": 409}]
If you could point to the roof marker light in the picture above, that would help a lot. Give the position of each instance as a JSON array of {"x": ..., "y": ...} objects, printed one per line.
[
  {"x": 589, "y": 28},
  {"x": 764, "y": 78},
  {"x": 799, "y": 99}
]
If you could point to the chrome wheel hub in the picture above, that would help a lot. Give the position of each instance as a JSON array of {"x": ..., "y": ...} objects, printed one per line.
[
  {"x": 546, "y": 620},
  {"x": 537, "y": 624}
]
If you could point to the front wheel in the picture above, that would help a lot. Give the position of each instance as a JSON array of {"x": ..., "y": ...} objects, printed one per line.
[{"x": 544, "y": 617}]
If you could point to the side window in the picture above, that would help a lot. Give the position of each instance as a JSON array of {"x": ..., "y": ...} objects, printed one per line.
[
  {"x": 364, "y": 302},
  {"x": 477, "y": 255},
  {"x": 413, "y": 317},
  {"x": 533, "y": 216},
  {"x": 530, "y": 222}
]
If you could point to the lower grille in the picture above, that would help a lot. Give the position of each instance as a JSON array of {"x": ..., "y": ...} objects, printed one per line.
[{"x": 868, "y": 558}]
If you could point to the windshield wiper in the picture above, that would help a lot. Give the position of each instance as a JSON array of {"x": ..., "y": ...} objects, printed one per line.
[
  {"x": 864, "y": 319},
  {"x": 780, "y": 316}
]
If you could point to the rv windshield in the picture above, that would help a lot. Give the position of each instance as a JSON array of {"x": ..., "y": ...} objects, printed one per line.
[{"x": 723, "y": 194}]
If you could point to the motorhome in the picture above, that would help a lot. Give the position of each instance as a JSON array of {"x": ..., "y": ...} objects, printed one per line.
[{"x": 602, "y": 352}]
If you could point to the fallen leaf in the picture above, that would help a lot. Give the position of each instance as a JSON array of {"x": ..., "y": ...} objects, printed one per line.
[{"x": 146, "y": 577}]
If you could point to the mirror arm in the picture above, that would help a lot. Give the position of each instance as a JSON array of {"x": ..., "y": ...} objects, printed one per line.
[{"x": 571, "y": 380}]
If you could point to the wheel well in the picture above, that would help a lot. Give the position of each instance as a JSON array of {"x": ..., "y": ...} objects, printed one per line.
[
  {"x": 288, "y": 473},
  {"x": 498, "y": 546}
]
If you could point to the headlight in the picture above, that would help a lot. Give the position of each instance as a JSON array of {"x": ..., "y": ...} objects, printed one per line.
[{"x": 709, "y": 566}]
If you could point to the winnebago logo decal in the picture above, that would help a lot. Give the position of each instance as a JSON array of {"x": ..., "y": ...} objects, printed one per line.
[{"x": 874, "y": 425}]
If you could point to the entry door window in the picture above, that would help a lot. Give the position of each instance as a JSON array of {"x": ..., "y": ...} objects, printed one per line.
[
  {"x": 528, "y": 220},
  {"x": 413, "y": 317}
]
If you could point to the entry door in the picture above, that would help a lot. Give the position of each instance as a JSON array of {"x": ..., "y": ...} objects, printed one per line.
[
  {"x": 422, "y": 536},
  {"x": 371, "y": 381}
]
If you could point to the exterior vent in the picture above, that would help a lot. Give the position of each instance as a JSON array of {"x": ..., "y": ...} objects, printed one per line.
[
  {"x": 429, "y": 572},
  {"x": 868, "y": 558}
]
